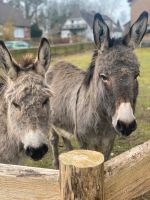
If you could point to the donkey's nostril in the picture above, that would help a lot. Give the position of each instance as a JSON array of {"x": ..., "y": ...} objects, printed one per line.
[
  {"x": 29, "y": 151},
  {"x": 36, "y": 153},
  {"x": 126, "y": 128},
  {"x": 44, "y": 148},
  {"x": 120, "y": 126},
  {"x": 133, "y": 126}
]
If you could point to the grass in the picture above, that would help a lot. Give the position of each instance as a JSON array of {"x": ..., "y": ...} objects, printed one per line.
[{"x": 142, "y": 133}]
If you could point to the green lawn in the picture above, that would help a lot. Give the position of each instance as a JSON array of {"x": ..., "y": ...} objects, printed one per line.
[{"x": 142, "y": 110}]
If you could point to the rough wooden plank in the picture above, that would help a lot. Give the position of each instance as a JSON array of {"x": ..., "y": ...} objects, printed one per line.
[
  {"x": 25, "y": 171},
  {"x": 28, "y": 189},
  {"x": 145, "y": 196},
  {"x": 128, "y": 175},
  {"x": 28, "y": 183},
  {"x": 82, "y": 175}
]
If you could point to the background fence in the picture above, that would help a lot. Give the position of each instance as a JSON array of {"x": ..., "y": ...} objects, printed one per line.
[{"x": 56, "y": 50}]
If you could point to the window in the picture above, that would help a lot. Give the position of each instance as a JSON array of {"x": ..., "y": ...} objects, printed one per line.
[
  {"x": 19, "y": 32},
  {"x": 148, "y": 29}
]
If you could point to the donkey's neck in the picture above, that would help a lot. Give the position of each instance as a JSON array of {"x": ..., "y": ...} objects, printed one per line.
[
  {"x": 8, "y": 148},
  {"x": 90, "y": 88}
]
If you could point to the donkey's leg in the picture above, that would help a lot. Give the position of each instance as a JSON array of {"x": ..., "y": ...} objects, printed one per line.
[
  {"x": 81, "y": 142},
  {"x": 107, "y": 145},
  {"x": 54, "y": 140},
  {"x": 108, "y": 151},
  {"x": 68, "y": 144}
]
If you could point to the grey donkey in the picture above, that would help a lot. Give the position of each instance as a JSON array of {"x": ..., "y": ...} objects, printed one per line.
[
  {"x": 24, "y": 103},
  {"x": 100, "y": 102}
]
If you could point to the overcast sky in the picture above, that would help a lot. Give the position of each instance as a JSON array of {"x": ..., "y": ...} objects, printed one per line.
[
  {"x": 116, "y": 9},
  {"x": 124, "y": 8}
]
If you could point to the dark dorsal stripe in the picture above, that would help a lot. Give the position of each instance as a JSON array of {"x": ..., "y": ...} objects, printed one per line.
[{"x": 90, "y": 70}]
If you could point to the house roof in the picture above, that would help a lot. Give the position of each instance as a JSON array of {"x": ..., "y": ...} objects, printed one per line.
[
  {"x": 89, "y": 16},
  {"x": 127, "y": 23},
  {"x": 76, "y": 12},
  {"x": 7, "y": 13},
  {"x": 130, "y": 1}
]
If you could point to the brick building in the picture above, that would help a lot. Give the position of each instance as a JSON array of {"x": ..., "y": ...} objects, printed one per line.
[{"x": 14, "y": 16}]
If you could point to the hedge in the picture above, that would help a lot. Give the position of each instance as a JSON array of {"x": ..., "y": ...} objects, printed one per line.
[{"x": 57, "y": 50}]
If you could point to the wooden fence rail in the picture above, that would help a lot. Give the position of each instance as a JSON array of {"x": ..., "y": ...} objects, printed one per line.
[{"x": 125, "y": 177}]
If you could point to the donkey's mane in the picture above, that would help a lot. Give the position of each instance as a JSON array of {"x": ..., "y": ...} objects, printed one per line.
[
  {"x": 89, "y": 73},
  {"x": 115, "y": 41},
  {"x": 3, "y": 81},
  {"x": 27, "y": 62},
  {"x": 90, "y": 70}
]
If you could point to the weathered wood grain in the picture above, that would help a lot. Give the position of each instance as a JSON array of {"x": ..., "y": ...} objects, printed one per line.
[
  {"x": 128, "y": 175},
  {"x": 28, "y": 183},
  {"x": 82, "y": 175}
]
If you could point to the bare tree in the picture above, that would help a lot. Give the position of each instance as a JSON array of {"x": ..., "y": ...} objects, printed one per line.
[
  {"x": 30, "y": 7},
  {"x": 51, "y": 14}
]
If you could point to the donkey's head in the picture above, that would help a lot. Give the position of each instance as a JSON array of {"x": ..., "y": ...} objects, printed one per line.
[
  {"x": 116, "y": 71},
  {"x": 27, "y": 99}
]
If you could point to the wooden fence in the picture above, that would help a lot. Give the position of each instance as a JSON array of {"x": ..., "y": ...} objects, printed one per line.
[{"x": 122, "y": 178}]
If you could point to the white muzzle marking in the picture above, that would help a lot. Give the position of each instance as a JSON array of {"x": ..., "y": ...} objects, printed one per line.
[
  {"x": 124, "y": 113},
  {"x": 34, "y": 139}
]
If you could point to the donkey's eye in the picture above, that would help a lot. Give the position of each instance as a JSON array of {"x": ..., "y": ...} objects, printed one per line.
[
  {"x": 16, "y": 105},
  {"x": 104, "y": 77},
  {"x": 45, "y": 102},
  {"x": 136, "y": 76}
]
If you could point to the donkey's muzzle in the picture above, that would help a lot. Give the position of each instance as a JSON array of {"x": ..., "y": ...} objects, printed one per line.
[
  {"x": 126, "y": 128},
  {"x": 36, "y": 153}
]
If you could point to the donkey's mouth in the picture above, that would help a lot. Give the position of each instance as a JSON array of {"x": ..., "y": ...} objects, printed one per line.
[{"x": 36, "y": 153}]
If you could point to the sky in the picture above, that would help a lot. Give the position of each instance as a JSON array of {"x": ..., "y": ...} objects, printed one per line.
[
  {"x": 115, "y": 9},
  {"x": 124, "y": 8}
]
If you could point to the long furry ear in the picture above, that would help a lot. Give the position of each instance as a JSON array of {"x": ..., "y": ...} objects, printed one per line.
[
  {"x": 6, "y": 61},
  {"x": 44, "y": 56},
  {"x": 101, "y": 32},
  {"x": 137, "y": 31}
]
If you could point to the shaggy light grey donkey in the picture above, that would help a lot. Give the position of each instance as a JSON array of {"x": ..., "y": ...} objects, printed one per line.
[
  {"x": 100, "y": 102},
  {"x": 24, "y": 103}
]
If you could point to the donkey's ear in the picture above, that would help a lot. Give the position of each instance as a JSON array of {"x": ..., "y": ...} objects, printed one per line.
[
  {"x": 44, "y": 55},
  {"x": 101, "y": 32},
  {"x": 137, "y": 31},
  {"x": 6, "y": 61}
]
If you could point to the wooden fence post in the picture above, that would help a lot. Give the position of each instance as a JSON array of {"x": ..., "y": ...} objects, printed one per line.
[{"x": 82, "y": 175}]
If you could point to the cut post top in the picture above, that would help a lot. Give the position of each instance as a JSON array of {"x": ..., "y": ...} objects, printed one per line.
[{"x": 82, "y": 158}]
